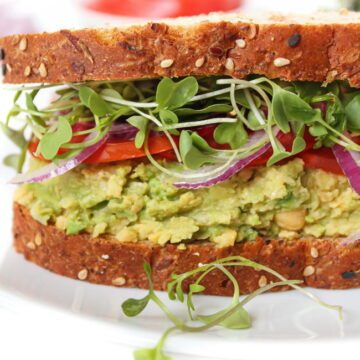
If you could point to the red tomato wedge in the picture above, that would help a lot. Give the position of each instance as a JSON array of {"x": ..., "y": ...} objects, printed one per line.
[
  {"x": 119, "y": 150},
  {"x": 160, "y": 145},
  {"x": 323, "y": 159},
  {"x": 157, "y": 9},
  {"x": 114, "y": 150}
]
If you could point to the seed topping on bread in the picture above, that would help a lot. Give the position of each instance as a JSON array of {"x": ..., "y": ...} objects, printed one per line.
[{"x": 294, "y": 40}]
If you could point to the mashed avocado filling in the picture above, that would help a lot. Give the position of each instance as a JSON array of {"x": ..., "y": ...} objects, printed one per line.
[{"x": 134, "y": 201}]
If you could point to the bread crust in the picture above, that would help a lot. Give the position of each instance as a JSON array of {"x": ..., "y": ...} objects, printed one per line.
[
  {"x": 106, "y": 261},
  {"x": 327, "y": 49}
]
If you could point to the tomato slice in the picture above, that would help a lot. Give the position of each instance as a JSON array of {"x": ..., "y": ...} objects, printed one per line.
[
  {"x": 157, "y": 9},
  {"x": 160, "y": 147},
  {"x": 119, "y": 150},
  {"x": 114, "y": 150},
  {"x": 323, "y": 159}
]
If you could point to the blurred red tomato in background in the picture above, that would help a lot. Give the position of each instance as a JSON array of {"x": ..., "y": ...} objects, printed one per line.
[{"x": 161, "y": 8}]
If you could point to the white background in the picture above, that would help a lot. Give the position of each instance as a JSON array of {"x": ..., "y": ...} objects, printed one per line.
[{"x": 31, "y": 330}]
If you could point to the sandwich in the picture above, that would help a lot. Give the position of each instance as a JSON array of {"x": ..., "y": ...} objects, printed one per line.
[{"x": 180, "y": 142}]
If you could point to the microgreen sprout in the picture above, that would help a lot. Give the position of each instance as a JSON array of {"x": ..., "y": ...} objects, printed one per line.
[
  {"x": 178, "y": 109},
  {"x": 233, "y": 316}
]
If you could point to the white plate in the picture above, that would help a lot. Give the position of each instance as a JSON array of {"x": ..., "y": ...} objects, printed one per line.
[{"x": 283, "y": 323}]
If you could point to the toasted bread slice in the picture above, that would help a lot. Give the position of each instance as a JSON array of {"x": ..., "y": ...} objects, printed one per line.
[
  {"x": 320, "y": 263},
  {"x": 320, "y": 47}
]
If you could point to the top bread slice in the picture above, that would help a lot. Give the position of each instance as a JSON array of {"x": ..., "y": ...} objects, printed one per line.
[{"x": 320, "y": 47}]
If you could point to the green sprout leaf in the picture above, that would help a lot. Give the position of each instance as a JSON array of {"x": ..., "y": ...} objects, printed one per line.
[
  {"x": 16, "y": 136},
  {"x": 150, "y": 354},
  {"x": 232, "y": 317},
  {"x": 308, "y": 89},
  {"x": 110, "y": 93},
  {"x": 298, "y": 146},
  {"x": 254, "y": 122},
  {"x": 193, "y": 289},
  {"x": 352, "y": 110},
  {"x": 133, "y": 307},
  {"x": 12, "y": 160},
  {"x": 170, "y": 291},
  {"x": 141, "y": 123},
  {"x": 233, "y": 134},
  {"x": 148, "y": 272},
  {"x": 277, "y": 156},
  {"x": 318, "y": 130},
  {"x": 172, "y": 95},
  {"x": 51, "y": 142},
  {"x": 179, "y": 292},
  {"x": 120, "y": 109},
  {"x": 202, "y": 144},
  {"x": 215, "y": 108},
  {"x": 192, "y": 155},
  {"x": 241, "y": 99},
  {"x": 16, "y": 161},
  {"x": 287, "y": 106},
  {"x": 92, "y": 100},
  {"x": 196, "y": 288},
  {"x": 168, "y": 117},
  {"x": 31, "y": 106},
  {"x": 238, "y": 320}
]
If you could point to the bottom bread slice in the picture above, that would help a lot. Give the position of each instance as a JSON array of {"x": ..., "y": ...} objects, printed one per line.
[{"x": 319, "y": 263}]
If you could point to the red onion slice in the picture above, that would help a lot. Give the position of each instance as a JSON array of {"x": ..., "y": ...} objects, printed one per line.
[
  {"x": 349, "y": 162},
  {"x": 125, "y": 132},
  {"x": 63, "y": 166},
  {"x": 353, "y": 238},
  {"x": 234, "y": 167},
  {"x": 122, "y": 131},
  {"x": 322, "y": 105}
]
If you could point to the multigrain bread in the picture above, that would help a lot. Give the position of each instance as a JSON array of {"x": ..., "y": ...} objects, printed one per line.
[
  {"x": 319, "y": 47},
  {"x": 103, "y": 260}
]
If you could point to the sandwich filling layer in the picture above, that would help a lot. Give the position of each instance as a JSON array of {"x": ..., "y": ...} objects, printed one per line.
[
  {"x": 134, "y": 201},
  {"x": 195, "y": 158}
]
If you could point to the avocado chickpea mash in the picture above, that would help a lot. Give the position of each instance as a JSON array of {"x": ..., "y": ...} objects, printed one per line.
[{"x": 134, "y": 201}]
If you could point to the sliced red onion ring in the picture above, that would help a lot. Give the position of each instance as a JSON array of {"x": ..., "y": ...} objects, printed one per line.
[
  {"x": 123, "y": 131},
  {"x": 349, "y": 162},
  {"x": 322, "y": 105},
  {"x": 234, "y": 167},
  {"x": 63, "y": 166},
  {"x": 353, "y": 238},
  {"x": 126, "y": 132},
  {"x": 83, "y": 125},
  {"x": 119, "y": 130}
]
